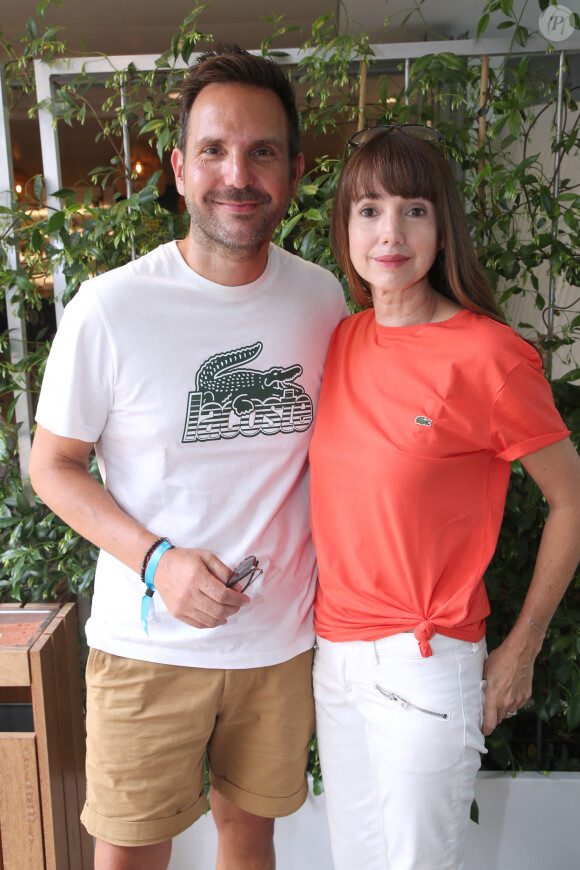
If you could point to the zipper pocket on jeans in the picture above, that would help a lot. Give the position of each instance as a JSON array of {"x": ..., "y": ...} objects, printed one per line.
[{"x": 407, "y": 705}]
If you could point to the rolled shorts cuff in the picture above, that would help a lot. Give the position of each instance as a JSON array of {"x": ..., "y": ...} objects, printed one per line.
[
  {"x": 260, "y": 805},
  {"x": 120, "y": 832}
]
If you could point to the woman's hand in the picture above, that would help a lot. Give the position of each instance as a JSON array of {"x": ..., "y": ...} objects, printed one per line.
[{"x": 509, "y": 670}]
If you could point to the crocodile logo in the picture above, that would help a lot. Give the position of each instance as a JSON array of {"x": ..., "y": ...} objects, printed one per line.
[
  {"x": 423, "y": 421},
  {"x": 231, "y": 398}
]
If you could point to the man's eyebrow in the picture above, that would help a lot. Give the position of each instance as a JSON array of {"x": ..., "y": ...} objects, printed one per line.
[
  {"x": 256, "y": 143},
  {"x": 272, "y": 140}
]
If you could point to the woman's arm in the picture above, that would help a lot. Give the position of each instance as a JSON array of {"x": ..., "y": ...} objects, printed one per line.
[{"x": 509, "y": 668}]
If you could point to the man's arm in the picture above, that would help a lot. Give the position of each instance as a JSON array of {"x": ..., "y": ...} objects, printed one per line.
[
  {"x": 509, "y": 668},
  {"x": 190, "y": 582}
]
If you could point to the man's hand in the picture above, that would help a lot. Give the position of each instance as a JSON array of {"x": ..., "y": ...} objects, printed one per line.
[
  {"x": 192, "y": 586},
  {"x": 190, "y": 582}
]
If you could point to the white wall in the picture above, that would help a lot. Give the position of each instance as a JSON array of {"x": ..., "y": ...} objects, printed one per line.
[{"x": 530, "y": 822}]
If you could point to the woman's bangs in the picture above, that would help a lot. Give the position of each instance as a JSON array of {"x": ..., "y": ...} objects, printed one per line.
[{"x": 396, "y": 164}]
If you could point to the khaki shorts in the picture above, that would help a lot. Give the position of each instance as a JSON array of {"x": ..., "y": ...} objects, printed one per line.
[{"x": 149, "y": 725}]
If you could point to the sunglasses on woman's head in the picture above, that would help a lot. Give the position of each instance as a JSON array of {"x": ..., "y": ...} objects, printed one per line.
[{"x": 418, "y": 131}]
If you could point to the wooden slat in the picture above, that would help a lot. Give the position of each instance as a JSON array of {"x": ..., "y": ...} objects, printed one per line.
[
  {"x": 44, "y": 692},
  {"x": 20, "y": 808},
  {"x": 68, "y": 615},
  {"x": 15, "y": 695},
  {"x": 57, "y": 631},
  {"x": 14, "y": 669}
]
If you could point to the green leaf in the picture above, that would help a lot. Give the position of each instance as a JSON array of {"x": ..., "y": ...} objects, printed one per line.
[
  {"x": 31, "y": 28},
  {"x": 573, "y": 712},
  {"x": 38, "y": 187},
  {"x": 482, "y": 25},
  {"x": 309, "y": 189},
  {"x": 56, "y": 222},
  {"x": 36, "y": 240},
  {"x": 147, "y": 195},
  {"x": 559, "y": 644},
  {"x": 521, "y": 35},
  {"x": 515, "y": 122},
  {"x": 289, "y": 226},
  {"x": 163, "y": 139},
  {"x": 452, "y": 60}
]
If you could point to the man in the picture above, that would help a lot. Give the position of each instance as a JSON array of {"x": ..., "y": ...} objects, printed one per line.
[{"x": 195, "y": 371}]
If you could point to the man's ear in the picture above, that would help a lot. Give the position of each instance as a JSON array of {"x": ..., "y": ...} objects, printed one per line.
[
  {"x": 177, "y": 164},
  {"x": 297, "y": 173}
]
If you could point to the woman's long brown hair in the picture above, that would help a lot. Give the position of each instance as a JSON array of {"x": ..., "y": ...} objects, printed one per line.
[{"x": 401, "y": 165}]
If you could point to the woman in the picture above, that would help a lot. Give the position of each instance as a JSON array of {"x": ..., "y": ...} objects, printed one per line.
[{"x": 427, "y": 397}]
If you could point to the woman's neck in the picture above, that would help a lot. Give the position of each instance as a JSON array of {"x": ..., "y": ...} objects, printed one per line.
[{"x": 405, "y": 310}]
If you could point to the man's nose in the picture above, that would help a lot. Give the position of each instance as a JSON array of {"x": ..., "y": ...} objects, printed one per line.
[{"x": 238, "y": 170}]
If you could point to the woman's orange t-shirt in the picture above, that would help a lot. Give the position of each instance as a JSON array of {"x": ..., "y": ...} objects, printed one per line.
[{"x": 410, "y": 460}]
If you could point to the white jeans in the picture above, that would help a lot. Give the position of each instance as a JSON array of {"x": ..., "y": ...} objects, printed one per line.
[{"x": 400, "y": 741}]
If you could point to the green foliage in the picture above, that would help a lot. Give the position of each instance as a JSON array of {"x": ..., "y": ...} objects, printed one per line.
[
  {"x": 314, "y": 767},
  {"x": 41, "y": 557},
  {"x": 39, "y": 42},
  {"x": 307, "y": 225},
  {"x": 524, "y": 227},
  {"x": 325, "y": 73}
]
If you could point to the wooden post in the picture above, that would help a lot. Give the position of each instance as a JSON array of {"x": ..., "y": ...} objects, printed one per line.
[
  {"x": 362, "y": 96},
  {"x": 482, "y": 126}
]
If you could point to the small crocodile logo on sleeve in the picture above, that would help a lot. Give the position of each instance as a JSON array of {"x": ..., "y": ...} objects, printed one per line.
[{"x": 423, "y": 421}]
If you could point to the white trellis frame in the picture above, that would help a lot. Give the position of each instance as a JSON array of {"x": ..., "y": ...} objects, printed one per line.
[
  {"x": 49, "y": 75},
  {"x": 62, "y": 70},
  {"x": 16, "y": 326}
]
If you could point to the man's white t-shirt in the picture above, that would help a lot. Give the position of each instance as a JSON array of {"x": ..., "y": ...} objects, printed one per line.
[{"x": 200, "y": 399}]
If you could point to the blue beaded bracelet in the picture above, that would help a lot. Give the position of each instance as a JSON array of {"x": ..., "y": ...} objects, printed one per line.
[{"x": 148, "y": 573}]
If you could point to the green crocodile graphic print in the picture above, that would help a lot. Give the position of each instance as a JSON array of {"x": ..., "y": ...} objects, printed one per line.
[{"x": 231, "y": 399}]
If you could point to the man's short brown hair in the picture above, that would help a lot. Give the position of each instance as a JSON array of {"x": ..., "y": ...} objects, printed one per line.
[{"x": 230, "y": 64}]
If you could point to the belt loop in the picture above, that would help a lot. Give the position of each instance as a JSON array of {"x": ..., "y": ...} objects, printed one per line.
[{"x": 375, "y": 652}]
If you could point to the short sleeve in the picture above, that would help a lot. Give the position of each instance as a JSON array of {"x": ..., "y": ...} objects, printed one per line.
[
  {"x": 524, "y": 418},
  {"x": 77, "y": 387}
]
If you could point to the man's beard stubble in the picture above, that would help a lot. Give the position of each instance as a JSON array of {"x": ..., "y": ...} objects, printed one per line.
[{"x": 208, "y": 228}]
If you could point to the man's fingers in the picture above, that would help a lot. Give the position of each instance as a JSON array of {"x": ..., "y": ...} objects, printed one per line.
[{"x": 192, "y": 585}]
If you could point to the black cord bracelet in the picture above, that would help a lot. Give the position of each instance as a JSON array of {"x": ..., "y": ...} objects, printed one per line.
[{"x": 148, "y": 555}]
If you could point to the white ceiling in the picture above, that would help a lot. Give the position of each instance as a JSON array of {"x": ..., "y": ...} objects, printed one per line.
[{"x": 146, "y": 27}]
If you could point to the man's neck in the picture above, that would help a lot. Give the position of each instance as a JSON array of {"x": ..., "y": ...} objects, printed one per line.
[{"x": 231, "y": 268}]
